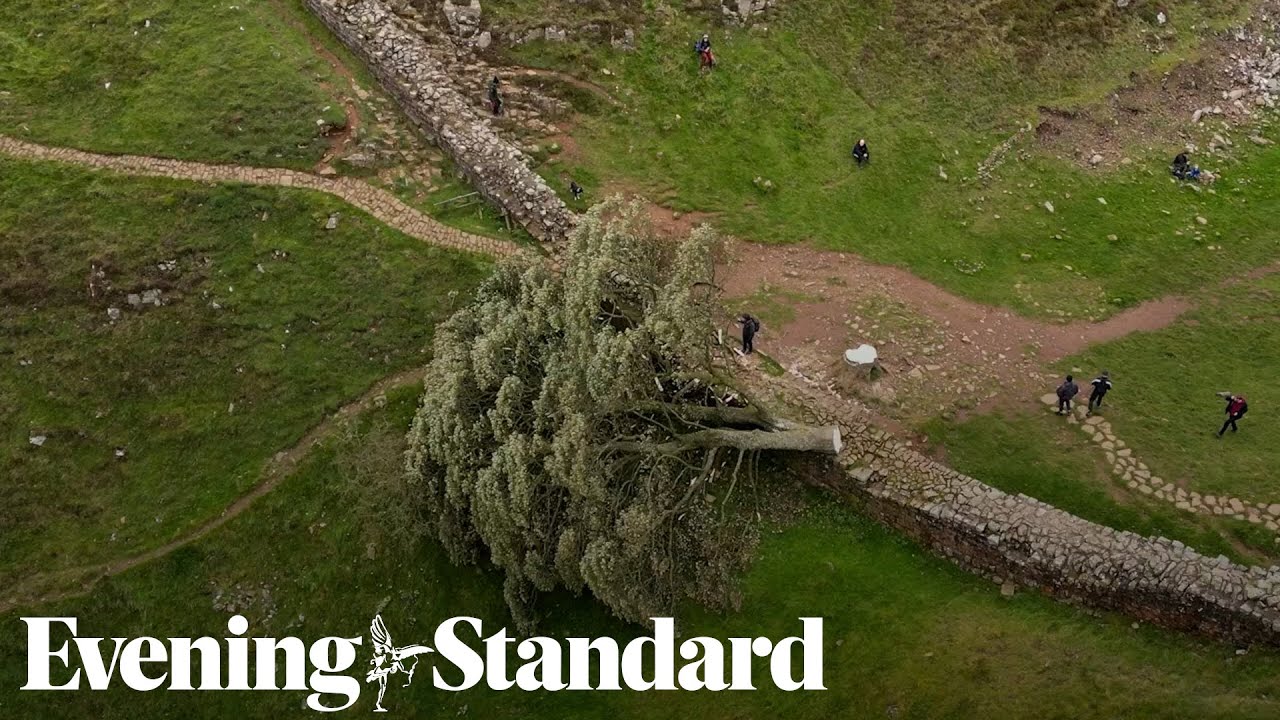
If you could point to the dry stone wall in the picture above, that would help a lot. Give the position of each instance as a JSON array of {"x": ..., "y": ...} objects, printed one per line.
[
  {"x": 407, "y": 68},
  {"x": 1019, "y": 541}
]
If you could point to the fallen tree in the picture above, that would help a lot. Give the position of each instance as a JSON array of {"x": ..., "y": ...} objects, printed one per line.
[{"x": 574, "y": 427}]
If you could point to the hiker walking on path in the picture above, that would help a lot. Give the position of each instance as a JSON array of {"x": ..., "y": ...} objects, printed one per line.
[
  {"x": 1101, "y": 386},
  {"x": 495, "y": 98},
  {"x": 1067, "y": 392},
  {"x": 750, "y": 326},
  {"x": 861, "y": 153},
  {"x": 706, "y": 59},
  {"x": 1237, "y": 406}
]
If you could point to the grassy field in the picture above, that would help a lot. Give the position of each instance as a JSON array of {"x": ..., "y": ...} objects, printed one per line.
[
  {"x": 267, "y": 322},
  {"x": 932, "y": 89},
  {"x": 906, "y": 635},
  {"x": 229, "y": 82},
  {"x": 1165, "y": 407},
  {"x": 1041, "y": 456}
]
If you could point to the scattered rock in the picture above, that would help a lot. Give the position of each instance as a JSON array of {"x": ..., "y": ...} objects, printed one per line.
[
  {"x": 38, "y": 440},
  {"x": 332, "y": 222}
]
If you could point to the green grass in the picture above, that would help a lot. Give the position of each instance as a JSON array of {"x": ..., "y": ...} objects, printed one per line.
[
  {"x": 930, "y": 87},
  {"x": 200, "y": 396},
  {"x": 1164, "y": 406},
  {"x": 906, "y": 635},
  {"x": 229, "y": 82},
  {"x": 1042, "y": 457}
]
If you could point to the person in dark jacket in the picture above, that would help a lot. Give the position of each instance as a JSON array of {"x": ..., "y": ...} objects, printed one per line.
[
  {"x": 1067, "y": 392},
  {"x": 1237, "y": 406},
  {"x": 862, "y": 153},
  {"x": 495, "y": 98},
  {"x": 1101, "y": 386},
  {"x": 750, "y": 326},
  {"x": 575, "y": 189},
  {"x": 1180, "y": 166},
  {"x": 706, "y": 58}
]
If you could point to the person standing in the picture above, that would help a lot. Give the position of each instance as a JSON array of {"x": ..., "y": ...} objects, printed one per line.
[
  {"x": 575, "y": 189},
  {"x": 750, "y": 326},
  {"x": 1237, "y": 406},
  {"x": 1101, "y": 386},
  {"x": 1067, "y": 392},
  {"x": 862, "y": 153},
  {"x": 495, "y": 98}
]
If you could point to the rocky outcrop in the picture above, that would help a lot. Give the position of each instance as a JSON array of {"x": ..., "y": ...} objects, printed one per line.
[
  {"x": 408, "y": 68},
  {"x": 1019, "y": 541},
  {"x": 743, "y": 11},
  {"x": 463, "y": 18}
]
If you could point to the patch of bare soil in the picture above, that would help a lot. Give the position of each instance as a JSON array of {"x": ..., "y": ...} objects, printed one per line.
[
  {"x": 941, "y": 353},
  {"x": 1156, "y": 111},
  {"x": 676, "y": 224},
  {"x": 340, "y": 139}
]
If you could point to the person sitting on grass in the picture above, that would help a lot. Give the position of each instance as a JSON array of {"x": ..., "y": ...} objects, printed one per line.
[
  {"x": 706, "y": 58},
  {"x": 1180, "y": 166},
  {"x": 862, "y": 153}
]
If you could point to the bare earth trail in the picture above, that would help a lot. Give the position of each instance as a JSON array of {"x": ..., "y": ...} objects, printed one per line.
[
  {"x": 597, "y": 90},
  {"x": 73, "y": 582},
  {"x": 942, "y": 353}
]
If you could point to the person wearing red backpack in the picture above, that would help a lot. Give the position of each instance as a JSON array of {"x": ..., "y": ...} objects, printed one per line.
[{"x": 1237, "y": 406}]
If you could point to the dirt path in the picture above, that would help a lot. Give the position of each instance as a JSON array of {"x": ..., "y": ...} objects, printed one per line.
[
  {"x": 597, "y": 90},
  {"x": 342, "y": 139},
  {"x": 74, "y": 582},
  {"x": 943, "y": 354},
  {"x": 377, "y": 202}
]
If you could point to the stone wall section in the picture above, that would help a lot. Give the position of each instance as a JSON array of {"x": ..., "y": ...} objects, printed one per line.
[
  {"x": 1019, "y": 541},
  {"x": 407, "y": 68}
]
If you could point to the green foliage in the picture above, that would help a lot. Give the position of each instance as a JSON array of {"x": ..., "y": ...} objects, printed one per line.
[{"x": 529, "y": 390}]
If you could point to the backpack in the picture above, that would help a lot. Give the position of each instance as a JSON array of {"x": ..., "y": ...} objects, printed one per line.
[{"x": 1241, "y": 410}]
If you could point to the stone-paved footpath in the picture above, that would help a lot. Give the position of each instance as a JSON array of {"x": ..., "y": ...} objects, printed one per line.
[{"x": 377, "y": 202}]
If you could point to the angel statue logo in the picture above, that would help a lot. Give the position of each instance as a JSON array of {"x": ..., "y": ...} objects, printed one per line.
[{"x": 389, "y": 659}]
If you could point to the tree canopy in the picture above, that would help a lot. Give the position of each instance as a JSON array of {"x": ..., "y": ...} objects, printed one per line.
[{"x": 575, "y": 429}]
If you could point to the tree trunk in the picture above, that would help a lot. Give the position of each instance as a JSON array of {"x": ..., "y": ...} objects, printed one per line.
[
  {"x": 801, "y": 439},
  {"x": 750, "y": 417}
]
